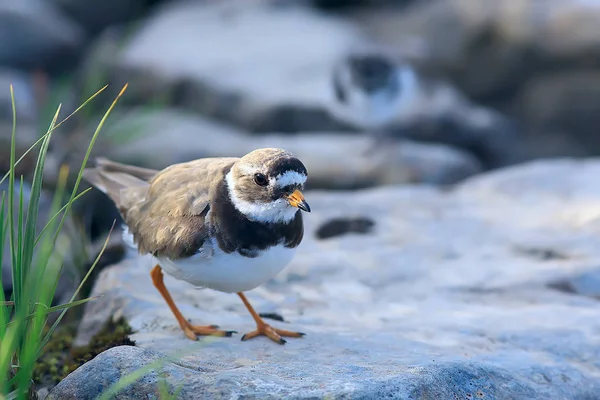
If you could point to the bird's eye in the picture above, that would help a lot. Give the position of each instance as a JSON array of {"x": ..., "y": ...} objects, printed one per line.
[{"x": 260, "y": 180}]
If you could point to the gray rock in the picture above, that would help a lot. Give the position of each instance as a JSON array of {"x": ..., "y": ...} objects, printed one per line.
[
  {"x": 158, "y": 138},
  {"x": 216, "y": 59},
  {"x": 447, "y": 296},
  {"x": 487, "y": 47},
  {"x": 560, "y": 103},
  {"x": 534, "y": 61},
  {"x": 189, "y": 381},
  {"x": 94, "y": 16},
  {"x": 34, "y": 34},
  {"x": 25, "y": 101},
  {"x": 428, "y": 108}
]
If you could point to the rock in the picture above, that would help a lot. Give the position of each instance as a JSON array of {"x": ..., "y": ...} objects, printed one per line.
[
  {"x": 490, "y": 49},
  {"x": 563, "y": 104},
  {"x": 97, "y": 15},
  {"x": 25, "y": 102},
  {"x": 586, "y": 284},
  {"x": 534, "y": 61},
  {"x": 425, "y": 108},
  {"x": 216, "y": 59},
  {"x": 183, "y": 379},
  {"x": 335, "y": 159},
  {"x": 446, "y": 295},
  {"x": 25, "y": 136},
  {"x": 37, "y": 35},
  {"x": 349, "y": 4}
]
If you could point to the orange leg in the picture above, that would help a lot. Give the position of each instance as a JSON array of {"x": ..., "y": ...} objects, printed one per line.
[
  {"x": 191, "y": 331},
  {"x": 264, "y": 329}
]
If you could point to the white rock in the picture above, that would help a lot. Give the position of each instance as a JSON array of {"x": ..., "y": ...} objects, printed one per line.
[{"x": 446, "y": 297}]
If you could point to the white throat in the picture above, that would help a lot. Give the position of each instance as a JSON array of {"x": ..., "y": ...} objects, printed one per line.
[{"x": 274, "y": 212}]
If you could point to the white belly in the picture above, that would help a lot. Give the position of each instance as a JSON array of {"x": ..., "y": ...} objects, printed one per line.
[{"x": 229, "y": 273}]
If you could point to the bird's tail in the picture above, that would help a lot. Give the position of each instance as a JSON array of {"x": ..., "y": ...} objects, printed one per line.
[{"x": 112, "y": 178}]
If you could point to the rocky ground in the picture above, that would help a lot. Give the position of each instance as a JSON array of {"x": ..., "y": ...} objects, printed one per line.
[
  {"x": 456, "y": 280},
  {"x": 488, "y": 290}
]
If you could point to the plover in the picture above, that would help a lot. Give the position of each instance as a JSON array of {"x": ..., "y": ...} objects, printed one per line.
[{"x": 228, "y": 224}]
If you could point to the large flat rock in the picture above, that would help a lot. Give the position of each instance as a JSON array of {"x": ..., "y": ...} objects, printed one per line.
[
  {"x": 460, "y": 293},
  {"x": 266, "y": 67}
]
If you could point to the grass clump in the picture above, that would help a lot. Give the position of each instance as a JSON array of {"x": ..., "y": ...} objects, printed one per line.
[{"x": 35, "y": 265}]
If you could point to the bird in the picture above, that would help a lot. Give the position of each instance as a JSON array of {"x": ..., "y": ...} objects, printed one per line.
[
  {"x": 372, "y": 88},
  {"x": 223, "y": 223}
]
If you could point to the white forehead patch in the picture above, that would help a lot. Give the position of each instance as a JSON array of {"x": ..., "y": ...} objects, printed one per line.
[
  {"x": 290, "y": 178},
  {"x": 276, "y": 211}
]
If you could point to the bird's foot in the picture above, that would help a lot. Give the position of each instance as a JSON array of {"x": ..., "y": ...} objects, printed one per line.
[
  {"x": 193, "y": 331},
  {"x": 274, "y": 334}
]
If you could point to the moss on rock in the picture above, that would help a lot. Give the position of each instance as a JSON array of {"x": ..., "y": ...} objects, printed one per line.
[{"x": 59, "y": 357}]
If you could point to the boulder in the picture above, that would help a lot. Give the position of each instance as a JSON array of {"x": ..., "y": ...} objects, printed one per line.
[
  {"x": 35, "y": 34},
  {"x": 95, "y": 16},
  {"x": 281, "y": 82},
  {"x": 564, "y": 104},
  {"x": 491, "y": 48},
  {"x": 158, "y": 138},
  {"x": 424, "y": 293},
  {"x": 25, "y": 100},
  {"x": 536, "y": 62},
  {"x": 263, "y": 67}
]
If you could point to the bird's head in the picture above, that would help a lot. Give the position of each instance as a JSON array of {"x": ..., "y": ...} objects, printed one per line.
[{"x": 266, "y": 185}]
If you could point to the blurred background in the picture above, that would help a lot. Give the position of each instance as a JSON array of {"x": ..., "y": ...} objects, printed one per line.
[{"x": 499, "y": 82}]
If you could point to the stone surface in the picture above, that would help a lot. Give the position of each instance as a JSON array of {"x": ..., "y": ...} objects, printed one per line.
[
  {"x": 158, "y": 138},
  {"x": 23, "y": 85},
  {"x": 275, "y": 83},
  {"x": 432, "y": 109},
  {"x": 94, "y": 16},
  {"x": 34, "y": 34},
  {"x": 488, "y": 48},
  {"x": 534, "y": 61},
  {"x": 449, "y": 294},
  {"x": 217, "y": 59},
  {"x": 564, "y": 104}
]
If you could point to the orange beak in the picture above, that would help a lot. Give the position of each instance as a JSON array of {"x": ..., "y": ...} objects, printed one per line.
[{"x": 296, "y": 199}]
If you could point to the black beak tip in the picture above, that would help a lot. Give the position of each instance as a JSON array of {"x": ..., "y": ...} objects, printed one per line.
[{"x": 304, "y": 206}]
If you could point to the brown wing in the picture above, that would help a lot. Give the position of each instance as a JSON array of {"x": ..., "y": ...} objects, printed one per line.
[{"x": 164, "y": 210}]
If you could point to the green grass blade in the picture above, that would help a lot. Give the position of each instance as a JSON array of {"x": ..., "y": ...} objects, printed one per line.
[
  {"x": 55, "y": 207},
  {"x": 83, "y": 281},
  {"x": 88, "y": 152},
  {"x": 56, "y": 214},
  {"x": 55, "y": 127},
  {"x": 48, "y": 310},
  {"x": 70, "y": 202},
  {"x": 35, "y": 274},
  {"x": 85, "y": 103},
  {"x": 4, "y": 310},
  {"x": 69, "y": 305},
  {"x": 19, "y": 266},
  {"x": 11, "y": 205},
  {"x": 32, "y": 215},
  {"x": 7, "y": 352},
  {"x": 33, "y": 280},
  {"x": 34, "y": 198}
]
